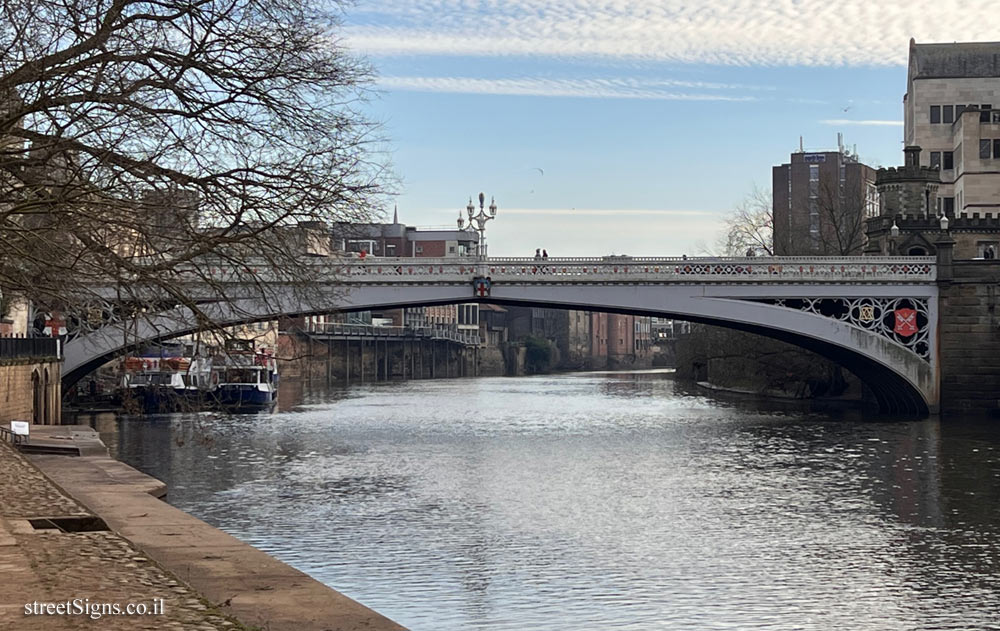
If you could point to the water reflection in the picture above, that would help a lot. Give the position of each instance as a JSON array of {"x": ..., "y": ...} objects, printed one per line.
[{"x": 597, "y": 501}]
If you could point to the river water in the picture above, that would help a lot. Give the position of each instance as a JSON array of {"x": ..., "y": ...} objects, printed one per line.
[{"x": 598, "y": 501}]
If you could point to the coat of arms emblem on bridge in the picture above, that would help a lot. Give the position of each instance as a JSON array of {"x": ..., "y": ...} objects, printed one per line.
[
  {"x": 481, "y": 286},
  {"x": 906, "y": 322},
  {"x": 902, "y": 320}
]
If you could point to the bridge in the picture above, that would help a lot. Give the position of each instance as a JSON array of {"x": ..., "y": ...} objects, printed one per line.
[{"x": 876, "y": 316}]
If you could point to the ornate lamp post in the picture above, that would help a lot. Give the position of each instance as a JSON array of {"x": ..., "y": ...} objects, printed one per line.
[{"x": 477, "y": 221}]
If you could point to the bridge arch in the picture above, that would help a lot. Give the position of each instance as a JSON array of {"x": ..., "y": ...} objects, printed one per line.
[{"x": 901, "y": 381}]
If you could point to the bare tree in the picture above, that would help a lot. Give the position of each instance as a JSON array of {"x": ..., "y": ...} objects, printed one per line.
[
  {"x": 146, "y": 144},
  {"x": 841, "y": 220},
  {"x": 749, "y": 228}
]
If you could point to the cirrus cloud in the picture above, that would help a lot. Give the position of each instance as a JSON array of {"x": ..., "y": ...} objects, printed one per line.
[
  {"x": 620, "y": 88},
  {"x": 724, "y": 32}
]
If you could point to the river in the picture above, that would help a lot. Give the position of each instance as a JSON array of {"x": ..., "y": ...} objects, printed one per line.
[{"x": 597, "y": 501}]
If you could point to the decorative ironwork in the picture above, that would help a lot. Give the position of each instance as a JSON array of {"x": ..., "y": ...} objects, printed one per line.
[
  {"x": 636, "y": 269},
  {"x": 93, "y": 316},
  {"x": 902, "y": 320}
]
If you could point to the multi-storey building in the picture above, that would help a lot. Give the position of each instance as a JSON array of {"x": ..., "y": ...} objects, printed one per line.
[
  {"x": 948, "y": 111},
  {"x": 820, "y": 203},
  {"x": 396, "y": 239},
  {"x": 952, "y": 164}
]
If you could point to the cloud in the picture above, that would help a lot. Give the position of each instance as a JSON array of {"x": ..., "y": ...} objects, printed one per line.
[
  {"x": 726, "y": 32},
  {"x": 576, "y": 88},
  {"x": 848, "y": 121}
]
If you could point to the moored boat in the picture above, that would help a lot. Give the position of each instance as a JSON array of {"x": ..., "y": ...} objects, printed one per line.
[{"x": 246, "y": 379}]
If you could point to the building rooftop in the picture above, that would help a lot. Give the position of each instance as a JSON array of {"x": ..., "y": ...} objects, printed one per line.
[{"x": 954, "y": 60}]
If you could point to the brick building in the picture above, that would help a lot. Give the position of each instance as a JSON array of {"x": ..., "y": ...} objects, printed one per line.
[
  {"x": 402, "y": 241},
  {"x": 586, "y": 340},
  {"x": 820, "y": 203}
]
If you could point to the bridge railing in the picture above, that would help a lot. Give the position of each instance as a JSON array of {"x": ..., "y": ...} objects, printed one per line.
[
  {"x": 752, "y": 269},
  {"x": 608, "y": 268}
]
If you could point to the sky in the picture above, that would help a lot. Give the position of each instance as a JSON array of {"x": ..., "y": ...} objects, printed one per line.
[{"x": 631, "y": 126}]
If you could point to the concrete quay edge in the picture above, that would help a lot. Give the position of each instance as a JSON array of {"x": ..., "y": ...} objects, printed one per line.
[{"x": 242, "y": 581}]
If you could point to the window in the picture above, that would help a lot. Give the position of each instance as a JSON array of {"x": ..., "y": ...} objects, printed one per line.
[
  {"x": 451, "y": 249},
  {"x": 948, "y": 161},
  {"x": 359, "y": 245},
  {"x": 871, "y": 201},
  {"x": 984, "y": 114},
  {"x": 958, "y": 111},
  {"x": 948, "y": 114},
  {"x": 984, "y": 149},
  {"x": 390, "y": 249},
  {"x": 996, "y": 148},
  {"x": 935, "y": 114},
  {"x": 935, "y": 159},
  {"x": 420, "y": 249},
  {"x": 949, "y": 206},
  {"x": 988, "y": 249}
]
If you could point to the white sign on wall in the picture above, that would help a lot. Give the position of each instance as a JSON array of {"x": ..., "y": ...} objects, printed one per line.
[{"x": 19, "y": 428}]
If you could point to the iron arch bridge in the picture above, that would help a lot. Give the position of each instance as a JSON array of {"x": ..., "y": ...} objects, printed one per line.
[{"x": 878, "y": 317}]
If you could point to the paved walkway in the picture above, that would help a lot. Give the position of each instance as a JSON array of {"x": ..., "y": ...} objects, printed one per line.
[
  {"x": 148, "y": 550},
  {"x": 54, "y": 566}
]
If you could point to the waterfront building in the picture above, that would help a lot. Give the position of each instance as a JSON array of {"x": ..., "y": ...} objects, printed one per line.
[
  {"x": 584, "y": 339},
  {"x": 948, "y": 111},
  {"x": 399, "y": 240},
  {"x": 629, "y": 341},
  {"x": 668, "y": 328},
  {"x": 820, "y": 200},
  {"x": 598, "y": 340},
  {"x": 952, "y": 156}
]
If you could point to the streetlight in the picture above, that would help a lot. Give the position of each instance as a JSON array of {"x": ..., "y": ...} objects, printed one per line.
[
  {"x": 944, "y": 223},
  {"x": 477, "y": 221},
  {"x": 893, "y": 236}
]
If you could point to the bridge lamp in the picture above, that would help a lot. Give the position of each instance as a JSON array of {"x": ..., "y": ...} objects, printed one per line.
[
  {"x": 893, "y": 237},
  {"x": 477, "y": 220}
]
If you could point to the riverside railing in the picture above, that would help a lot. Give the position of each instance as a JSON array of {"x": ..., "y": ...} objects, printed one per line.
[
  {"x": 28, "y": 347},
  {"x": 337, "y": 329}
]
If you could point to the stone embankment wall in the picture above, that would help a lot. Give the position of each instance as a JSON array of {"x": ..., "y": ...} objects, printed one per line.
[
  {"x": 970, "y": 339},
  {"x": 30, "y": 390},
  {"x": 752, "y": 363}
]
